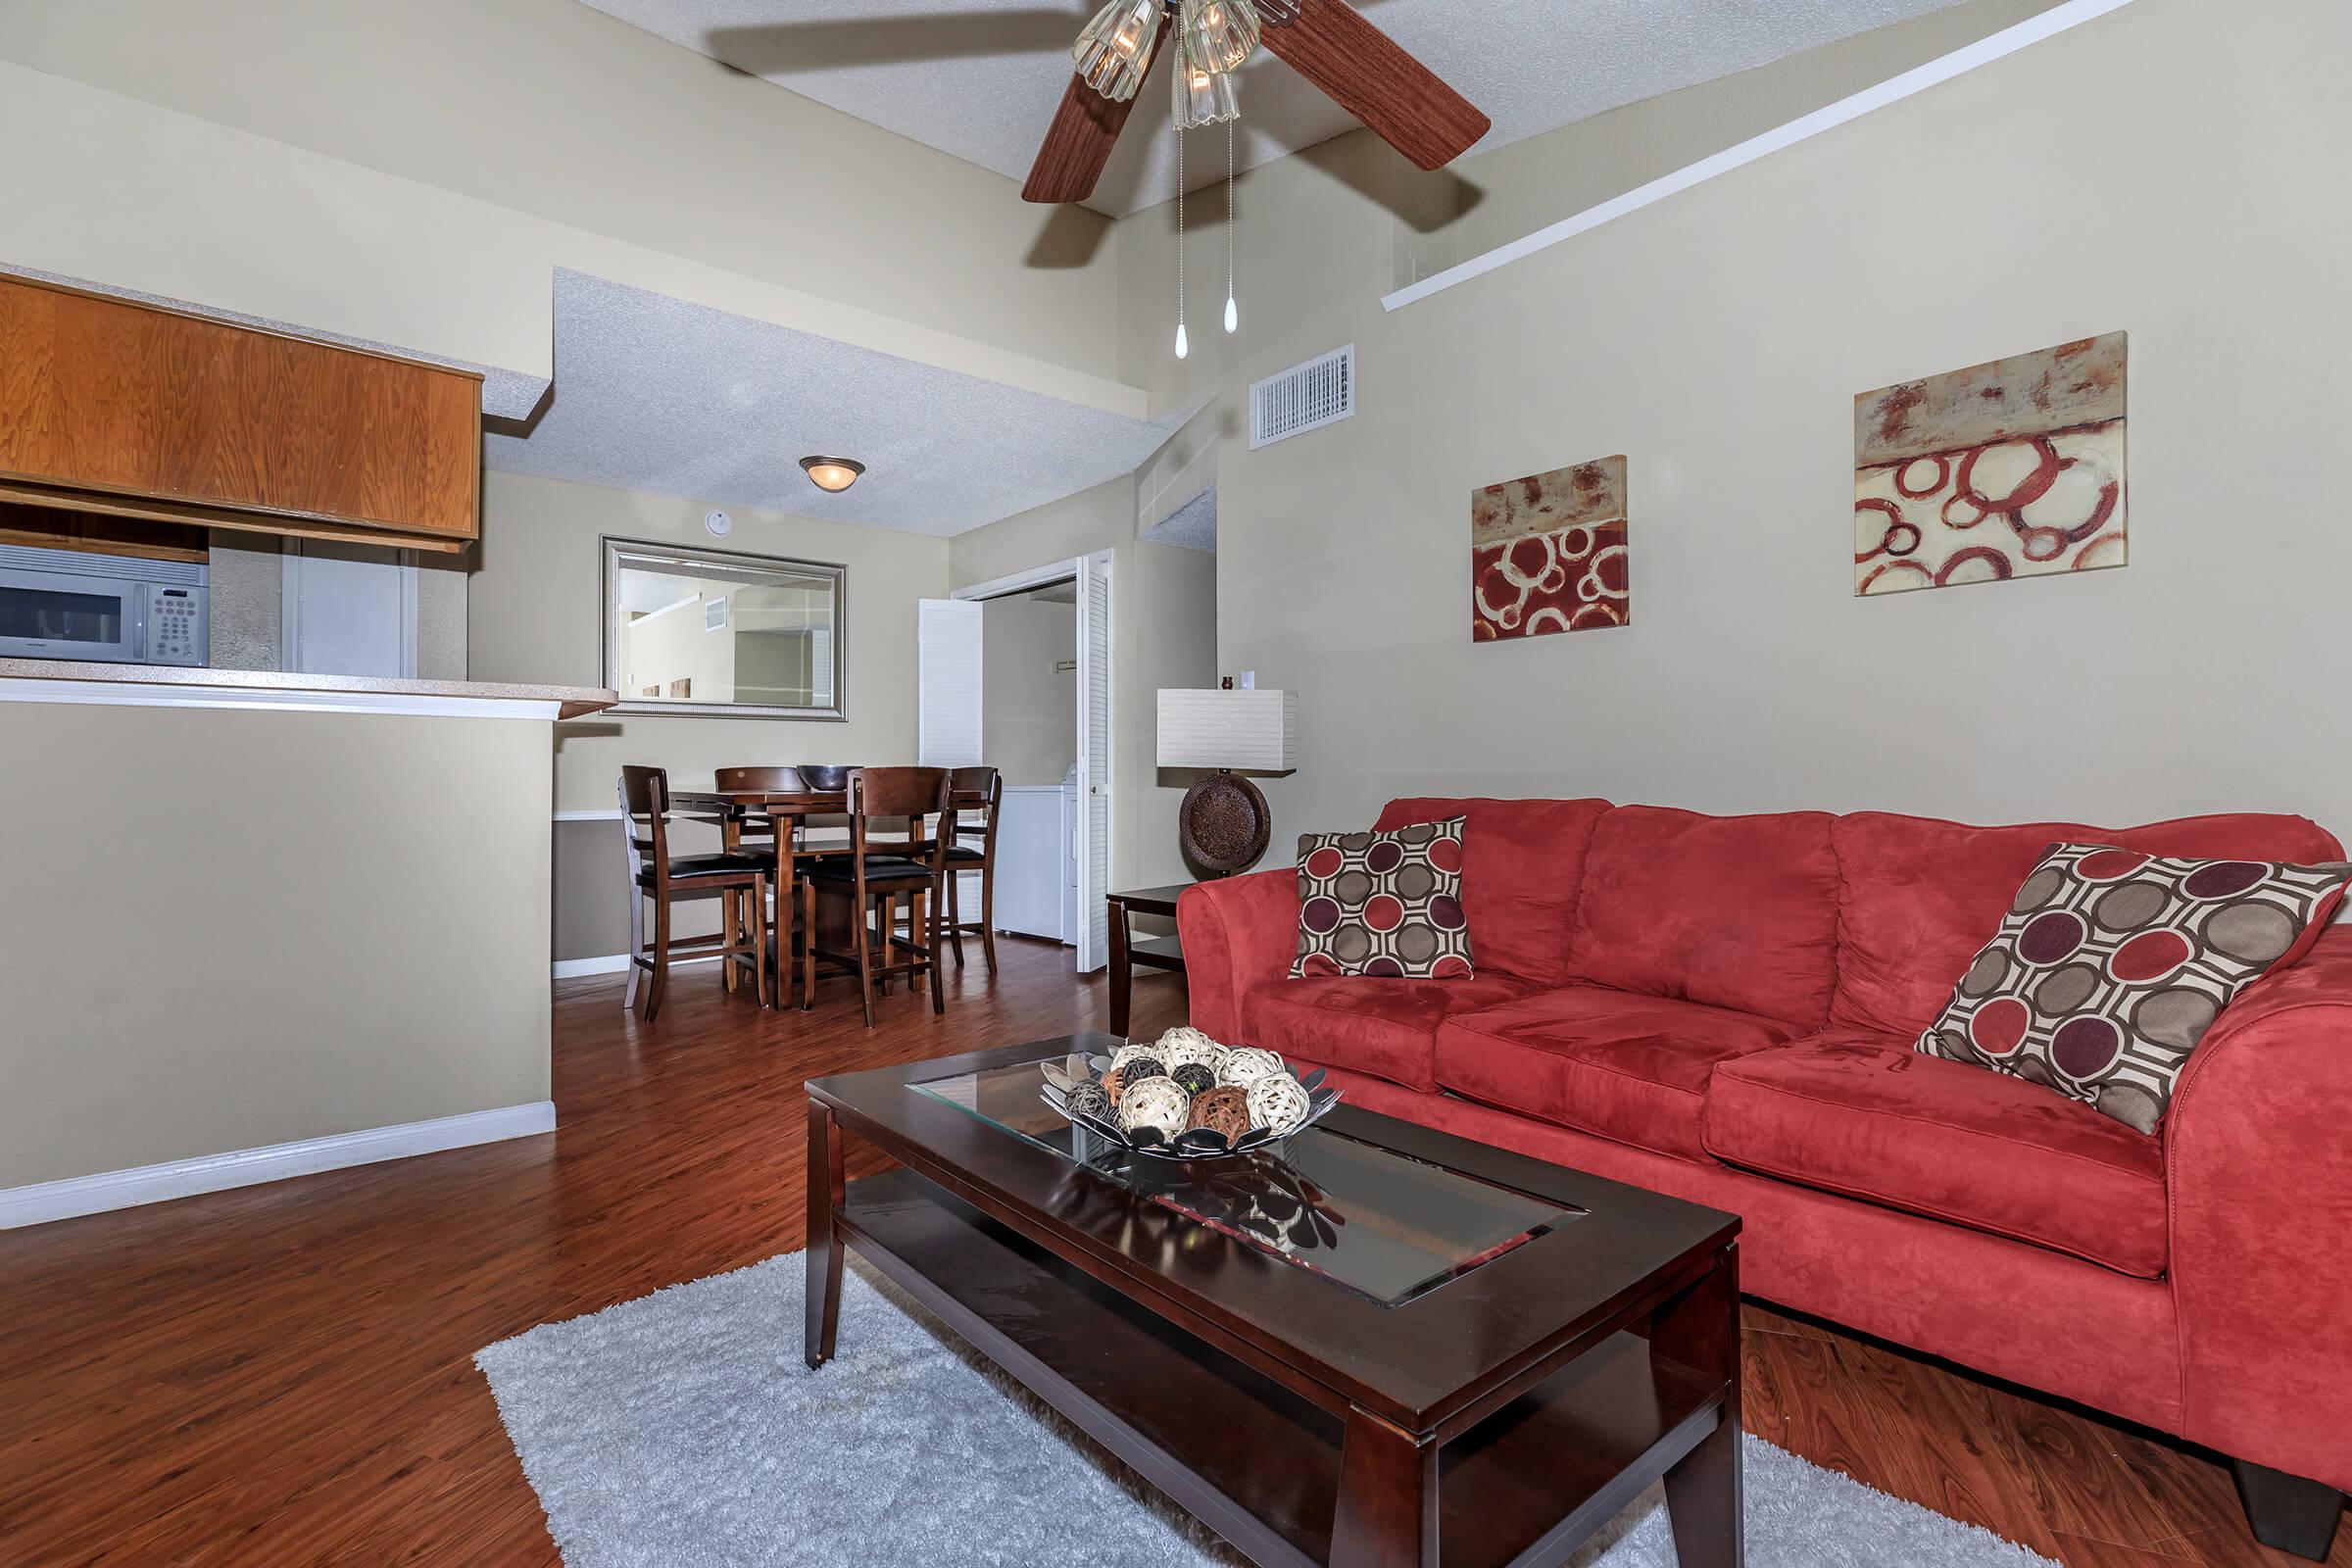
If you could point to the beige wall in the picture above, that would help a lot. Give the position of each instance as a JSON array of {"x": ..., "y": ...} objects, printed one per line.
[
  {"x": 518, "y": 135},
  {"x": 1029, "y": 705},
  {"x": 534, "y": 615},
  {"x": 1718, "y": 338},
  {"x": 326, "y": 923},
  {"x": 1163, "y": 624}
]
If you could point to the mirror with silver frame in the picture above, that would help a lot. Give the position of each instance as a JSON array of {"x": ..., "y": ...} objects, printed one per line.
[{"x": 723, "y": 634}]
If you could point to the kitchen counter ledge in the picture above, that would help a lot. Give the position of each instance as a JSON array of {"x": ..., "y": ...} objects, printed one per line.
[{"x": 56, "y": 681}]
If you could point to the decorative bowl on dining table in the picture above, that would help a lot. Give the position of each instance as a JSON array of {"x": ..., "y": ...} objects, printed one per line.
[{"x": 1186, "y": 1097}]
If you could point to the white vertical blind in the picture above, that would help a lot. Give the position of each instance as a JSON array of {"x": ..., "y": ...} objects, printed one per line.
[
  {"x": 1093, "y": 763},
  {"x": 948, "y": 653}
]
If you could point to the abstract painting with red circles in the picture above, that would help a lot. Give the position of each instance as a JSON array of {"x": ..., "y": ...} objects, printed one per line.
[
  {"x": 1548, "y": 552},
  {"x": 2009, "y": 470}
]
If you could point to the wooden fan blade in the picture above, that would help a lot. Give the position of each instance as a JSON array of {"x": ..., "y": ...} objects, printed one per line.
[
  {"x": 1078, "y": 143},
  {"x": 1362, "y": 69}
]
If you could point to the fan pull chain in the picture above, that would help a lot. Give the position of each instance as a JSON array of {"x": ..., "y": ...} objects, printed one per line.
[
  {"x": 1232, "y": 310},
  {"x": 1184, "y": 344}
]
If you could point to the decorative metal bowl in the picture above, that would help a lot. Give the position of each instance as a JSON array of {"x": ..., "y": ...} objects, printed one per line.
[
  {"x": 1198, "y": 1143},
  {"x": 822, "y": 778}
]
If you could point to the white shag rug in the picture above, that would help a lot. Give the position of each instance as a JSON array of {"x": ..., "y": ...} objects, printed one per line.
[{"x": 683, "y": 1428}]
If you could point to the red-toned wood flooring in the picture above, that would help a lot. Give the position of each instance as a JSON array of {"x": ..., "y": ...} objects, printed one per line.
[{"x": 282, "y": 1374}]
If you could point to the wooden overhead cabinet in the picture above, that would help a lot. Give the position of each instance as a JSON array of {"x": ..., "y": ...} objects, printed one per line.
[{"x": 115, "y": 408}]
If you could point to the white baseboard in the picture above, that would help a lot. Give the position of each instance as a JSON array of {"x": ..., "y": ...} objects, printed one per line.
[
  {"x": 614, "y": 964},
  {"x": 246, "y": 1167}
]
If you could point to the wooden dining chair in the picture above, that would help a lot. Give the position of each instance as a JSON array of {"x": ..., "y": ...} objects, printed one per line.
[
  {"x": 866, "y": 884},
  {"x": 662, "y": 879},
  {"x": 754, "y": 835},
  {"x": 976, "y": 795}
]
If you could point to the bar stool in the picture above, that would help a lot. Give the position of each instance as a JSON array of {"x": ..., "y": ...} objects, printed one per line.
[
  {"x": 871, "y": 880},
  {"x": 750, "y": 833},
  {"x": 658, "y": 875},
  {"x": 981, "y": 790}
]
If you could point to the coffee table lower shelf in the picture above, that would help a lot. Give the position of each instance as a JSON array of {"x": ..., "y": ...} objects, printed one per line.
[{"x": 1255, "y": 1461}]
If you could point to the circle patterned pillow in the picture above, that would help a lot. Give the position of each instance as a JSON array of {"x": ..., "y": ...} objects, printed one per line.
[
  {"x": 1383, "y": 904},
  {"x": 2110, "y": 966}
]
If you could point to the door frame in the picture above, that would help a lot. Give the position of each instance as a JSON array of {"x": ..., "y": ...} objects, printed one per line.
[{"x": 1068, "y": 568}]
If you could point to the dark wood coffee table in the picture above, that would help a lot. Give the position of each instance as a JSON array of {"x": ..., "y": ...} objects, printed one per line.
[{"x": 1388, "y": 1346}]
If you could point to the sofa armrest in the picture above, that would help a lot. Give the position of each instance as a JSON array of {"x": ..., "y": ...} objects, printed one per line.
[
  {"x": 1237, "y": 933},
  {"x": 2259, "y": 1177}
]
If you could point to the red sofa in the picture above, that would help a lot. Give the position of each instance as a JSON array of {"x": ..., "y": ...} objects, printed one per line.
[{"x": 1723, "y": 1008}]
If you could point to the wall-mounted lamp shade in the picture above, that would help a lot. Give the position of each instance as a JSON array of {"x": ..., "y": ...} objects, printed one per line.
[
  {"x": 1115, "y": 49},
  {"x": 834, "y": 475},
  {"x": 1254, "y": 730}
]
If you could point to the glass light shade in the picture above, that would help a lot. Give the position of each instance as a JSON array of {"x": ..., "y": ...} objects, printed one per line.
[
  {"x": 1115, "y": 49},
  {"x": 1219, "y": 35},
  {"x": 832, "y": 474},
  {"x": 1203, "y": 97}
]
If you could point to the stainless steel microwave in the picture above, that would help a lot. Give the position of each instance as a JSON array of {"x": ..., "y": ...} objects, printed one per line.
[{"x": 66, "y": 604}]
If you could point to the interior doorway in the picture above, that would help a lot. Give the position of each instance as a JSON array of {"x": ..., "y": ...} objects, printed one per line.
[{"x": 1015, "y": 674}]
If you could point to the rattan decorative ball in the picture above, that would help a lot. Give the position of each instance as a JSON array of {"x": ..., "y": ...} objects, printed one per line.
[
  {"x": 1183, "y": 1047},
  {"x": 1129, "y": 1052},
  {"x": 1113, "y": 1085},
  {"x": 1245, "y": 1066},
  {"x": 1194, "y": 1078},
  {"x": 1278, "y": 1104},
  {"x": 1154, "y": 1103},
  {"x": 1089, "y": 1099},
  {"x": 1141, "y": 1068},
  {"x": 1224, "y": 1111}
]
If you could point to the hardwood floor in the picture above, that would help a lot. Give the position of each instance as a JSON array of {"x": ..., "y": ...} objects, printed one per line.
[{"x": 282, "y": 1374}]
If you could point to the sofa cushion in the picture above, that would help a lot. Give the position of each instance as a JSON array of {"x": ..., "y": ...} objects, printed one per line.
[
  {"x": 1383, "y": 904},
  {"x": 1521, "y": 864},
  {"x": 1734, "y": 912},
  {"x": 1920, "y": 896},
  {"x": 1870, "y": 1118},
  {"x": 2110, "y": 966},
  {"x": 1387, "y": 1028},
  {"x": 1616, "y": 1063}
]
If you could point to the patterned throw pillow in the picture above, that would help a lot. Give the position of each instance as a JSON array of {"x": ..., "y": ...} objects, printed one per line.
[
  {"x": 1383, "y": 904},
  {"x": 2110, "y": 965}
]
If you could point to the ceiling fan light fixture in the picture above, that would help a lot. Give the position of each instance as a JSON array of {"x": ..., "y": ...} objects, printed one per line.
[
  {"x": 1219, "y": 35},
  {"x": 1115, "y": 50},
  {"x": 1203, "y": 97},
  {"x": 832, "y": 476}
]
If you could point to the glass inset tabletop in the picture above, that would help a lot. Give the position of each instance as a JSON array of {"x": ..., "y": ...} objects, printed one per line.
[{"x": 1367, "y": 1219}]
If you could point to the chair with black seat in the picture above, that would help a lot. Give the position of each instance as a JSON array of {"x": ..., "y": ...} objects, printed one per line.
[
  {"x": 753, "y": 834},
  {"x": 865, "y": 885},
  {"x": 977, "y": 796},
  {"x": 663, "y": 878}
]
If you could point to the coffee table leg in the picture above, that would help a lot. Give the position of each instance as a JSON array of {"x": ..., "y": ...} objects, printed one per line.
[
  {"x": 824, "y": 1240},
  {"x": 1388, "y": 1507},
  {"x": 1122, "y": 971},
  {"x": 1701, "y": 1329}
]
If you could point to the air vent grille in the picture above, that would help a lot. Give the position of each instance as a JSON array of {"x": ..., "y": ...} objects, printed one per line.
[
  {"x": 1305, "y": 397},
  {"x": 715, "y": 613}
]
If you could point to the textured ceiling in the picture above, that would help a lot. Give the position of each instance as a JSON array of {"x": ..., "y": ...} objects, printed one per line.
[
  {"x": 656, "y": 394},
  {"x": 980, "y": 78}
]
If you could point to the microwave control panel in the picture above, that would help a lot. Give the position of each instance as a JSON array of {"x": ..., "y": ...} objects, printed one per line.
[{"x": 177, "y": 628}]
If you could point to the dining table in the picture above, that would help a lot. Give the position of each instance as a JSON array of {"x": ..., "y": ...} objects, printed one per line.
[{"x": 785, "y": 811}]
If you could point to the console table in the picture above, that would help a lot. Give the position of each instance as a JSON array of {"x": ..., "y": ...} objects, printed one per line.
[{"x": 1127, "y": 953}]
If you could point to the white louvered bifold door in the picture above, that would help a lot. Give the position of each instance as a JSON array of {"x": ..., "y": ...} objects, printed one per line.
[
  {"x": 949, "y": 651},
  {"x": 948, "y": 645},
  {"x": 1093, "y": 827}
]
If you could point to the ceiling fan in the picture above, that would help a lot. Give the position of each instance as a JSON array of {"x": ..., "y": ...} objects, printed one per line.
[{"x": 1353, "y": 63}]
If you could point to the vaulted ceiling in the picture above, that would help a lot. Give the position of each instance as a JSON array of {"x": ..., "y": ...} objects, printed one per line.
[{"x": 979, "y": 79}]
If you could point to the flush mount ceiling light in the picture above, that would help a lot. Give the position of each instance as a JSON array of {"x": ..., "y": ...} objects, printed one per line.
[
  {"x": 1115, "y": 49},
  {"x": 832, "y": 474}
]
